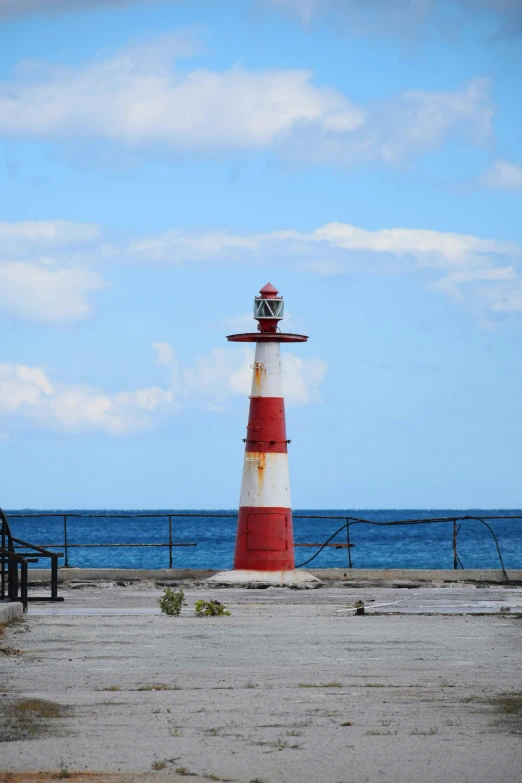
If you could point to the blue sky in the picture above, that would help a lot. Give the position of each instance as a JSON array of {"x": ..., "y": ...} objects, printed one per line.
[{"x": 160, "y": 161}]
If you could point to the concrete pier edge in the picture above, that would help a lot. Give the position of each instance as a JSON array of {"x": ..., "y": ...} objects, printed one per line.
[
  {"x": 9, "y": 610},
  {"x": 348, "y": 575}
]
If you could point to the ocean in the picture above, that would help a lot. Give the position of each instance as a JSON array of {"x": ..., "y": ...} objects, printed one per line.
[{"x": 404, "y": 546}]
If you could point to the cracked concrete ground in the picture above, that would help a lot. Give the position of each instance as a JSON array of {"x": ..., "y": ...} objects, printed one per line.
[{"x": 285, "y": 690}]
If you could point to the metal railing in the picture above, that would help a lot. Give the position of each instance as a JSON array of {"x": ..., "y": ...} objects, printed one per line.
[
  {"x": 66, "y": 546},
  {"x": 13, "y": 584},
  {"x": 12, "y": 557},
  {"x": 348, "y": 522}
]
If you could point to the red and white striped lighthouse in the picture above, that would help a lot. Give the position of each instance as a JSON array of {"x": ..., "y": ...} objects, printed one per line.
[{"x": 264, "y": 542}]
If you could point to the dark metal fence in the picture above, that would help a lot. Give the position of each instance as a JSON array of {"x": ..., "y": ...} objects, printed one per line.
[{"x": 348, "y": 522}]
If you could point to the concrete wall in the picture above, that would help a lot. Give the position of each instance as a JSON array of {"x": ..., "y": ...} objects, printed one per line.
[{"x": 66, "y": 575}]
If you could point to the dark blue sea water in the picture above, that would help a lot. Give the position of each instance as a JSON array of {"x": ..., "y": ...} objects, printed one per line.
[{"x": 414, "y": 546}]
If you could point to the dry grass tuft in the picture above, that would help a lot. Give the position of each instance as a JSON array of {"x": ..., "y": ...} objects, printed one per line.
[{"x": 36, "y": 708}]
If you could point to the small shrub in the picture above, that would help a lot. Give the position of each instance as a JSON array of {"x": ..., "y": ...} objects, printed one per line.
[
  {"x": 211, "y": 609},
  {"x": 172, "y": 601}
]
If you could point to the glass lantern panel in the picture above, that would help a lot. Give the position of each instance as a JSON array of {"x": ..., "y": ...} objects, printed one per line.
[{"x": 268, "y": 308}]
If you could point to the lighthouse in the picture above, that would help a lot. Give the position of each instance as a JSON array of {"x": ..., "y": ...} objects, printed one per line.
[{"x": 264, "y": 549}]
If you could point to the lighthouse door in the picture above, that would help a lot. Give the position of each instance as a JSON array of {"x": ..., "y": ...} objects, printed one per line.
[{"x": 267, "y": 530}]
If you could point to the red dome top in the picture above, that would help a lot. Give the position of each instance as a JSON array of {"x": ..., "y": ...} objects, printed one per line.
[{"x": 268, "y": 291}]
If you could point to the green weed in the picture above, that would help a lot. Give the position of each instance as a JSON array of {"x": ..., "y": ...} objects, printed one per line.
[
  {"x": 210, "y": 609},
  {"x": 172, "y": 601}
]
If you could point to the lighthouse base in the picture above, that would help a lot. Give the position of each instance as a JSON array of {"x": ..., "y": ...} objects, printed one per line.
[{"x": 249, "y": 578}]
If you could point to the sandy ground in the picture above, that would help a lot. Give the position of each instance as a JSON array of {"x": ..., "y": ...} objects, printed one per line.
[{"x": 286, "y": 689}]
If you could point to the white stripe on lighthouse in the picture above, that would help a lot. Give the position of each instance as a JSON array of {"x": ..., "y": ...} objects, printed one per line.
[
  {"x": 267, "y": 380},
  {"x": 266, "y": 480}
]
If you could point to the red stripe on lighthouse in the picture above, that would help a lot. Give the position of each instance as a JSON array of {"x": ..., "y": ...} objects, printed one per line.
[
  {"x": 266, "y": 429},
  {"x": 264, "y": 540}
]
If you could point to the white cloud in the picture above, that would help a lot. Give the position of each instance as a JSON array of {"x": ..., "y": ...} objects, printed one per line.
[
  {"x": 39, "y": 278},
  {"x": 302, "y": 378},
  {"x": 24, "y": 235},
  {"x": 429, "y": 248},
  {"x": 221, "y": 372},
  {"x": 137, "y": 99},
  {"x": 165, "y": 354},
  {"x": 51, "y": 282},
  {"x": 435, "y": 249},
  {"x": 503, "y": 175},
  {"x": 394, "y": 130},
  {"x": 47, "y": 293},
  {"x": 225, "y": 372},
  {"x": 474, "y": 271},
  {"x": 178, "y": 246},
  {"x": 28, "y": 392}
]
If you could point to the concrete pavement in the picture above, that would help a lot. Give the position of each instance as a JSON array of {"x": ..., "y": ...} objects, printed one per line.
[{"x": 288, "y": 689}]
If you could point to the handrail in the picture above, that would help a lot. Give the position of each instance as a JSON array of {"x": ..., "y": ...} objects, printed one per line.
[
  {"x": 35, "y": 547},
  {"x": 12, "y": 555}
]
